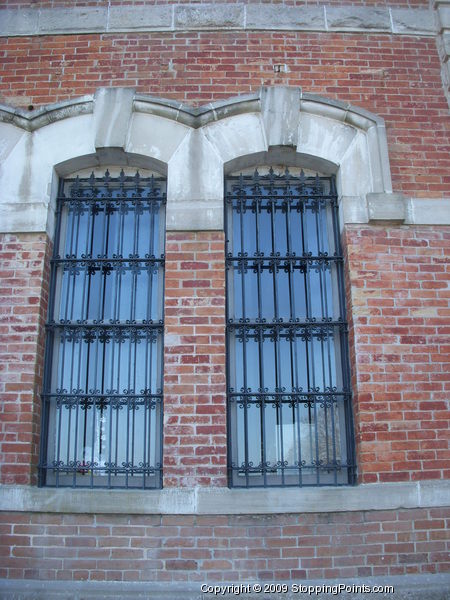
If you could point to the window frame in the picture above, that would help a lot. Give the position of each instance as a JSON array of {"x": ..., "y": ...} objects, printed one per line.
[
  {"x": 118, "y": 196},
  {"x": 262, "y": 474}
]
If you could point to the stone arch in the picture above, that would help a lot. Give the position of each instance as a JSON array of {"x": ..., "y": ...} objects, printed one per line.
[{"x": 193, "y": 146}]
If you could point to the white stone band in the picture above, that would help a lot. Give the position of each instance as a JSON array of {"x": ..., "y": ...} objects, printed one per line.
[
  {"x": 194, "y": 17},
  {"x": 224, "y": 501},
  {"x": 195, "y": 148}
]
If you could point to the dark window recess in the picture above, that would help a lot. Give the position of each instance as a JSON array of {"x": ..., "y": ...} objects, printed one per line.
[
  {"x": 102, "y": 397},
  {"x": 289, "y": 398}
]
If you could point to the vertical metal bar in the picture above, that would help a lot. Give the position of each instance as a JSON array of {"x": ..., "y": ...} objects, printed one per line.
[
  {"x": 258, "y": 264},
  {"x": 228, "y": 222},
  {"x": 280, "y": 400},
  {"x": 243, "y": 207},
  {"x": 349, "y": 427},
  {"x": 123, "y": 208},
  {"x": 293, "y": 342},
  {"x": 332, "y": 416}
]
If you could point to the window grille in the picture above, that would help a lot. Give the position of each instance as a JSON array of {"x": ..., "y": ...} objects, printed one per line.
[
  {"x": 289, "y": 398},
  {"x": 102, "y": 397}
]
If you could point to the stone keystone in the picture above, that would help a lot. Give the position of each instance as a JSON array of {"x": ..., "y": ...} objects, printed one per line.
[
  {"x": 280, "y": 109},
  {"x": 112, "y": 115}
]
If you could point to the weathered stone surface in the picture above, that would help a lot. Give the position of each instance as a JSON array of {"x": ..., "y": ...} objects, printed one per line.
[
  {"x": 237, "y": 136},
  {"x": 263, "y": 16},
  {"x": 280, "y": 111},
  {"x": 386, "y": 207},
  {"x": 409, "y": 21},
  {"x": 23, "y": 217},
  {"x": 149, "y": 135},
  {"x": 193, "y": 17},
  {"x": 209, "y": 16},
  {"x": 443, "y": 45},
  {"x": 379, "y": 159},
  {"x": 9, "y": 137},
  {"x": 443, "y": 16},
  {"x": 325, "y": 138},
  {"x": 139, "y": 18},
  {"x": 216, "y": 501},
  {"x": 54, "y": 20},
  {"x": 350, "y": 18},
  {"x": 112, "y": 115},
  {"x": 406, "y": 587},
  {"x": 352, "y": 209},
  {"x": 356, "y": 161},
  {"x": 194, "y": 181},
  {"x": 427, "y": 211},
  {"x": 195, "y": 216},
  {"x": 18, "y": 22}
]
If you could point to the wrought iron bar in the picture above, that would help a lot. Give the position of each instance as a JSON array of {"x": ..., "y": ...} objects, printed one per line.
[
  {"x": 101, "y": 411},
  {"x": 287, "y": 333}
]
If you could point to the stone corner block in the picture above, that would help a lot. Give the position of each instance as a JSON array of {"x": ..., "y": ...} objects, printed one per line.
[
  {"x": 351, "y": 18},
  {"x": 428, "y": 211},
  {"x": 209, "y": 16},
  {"x": 137, "y": 18},
  {"x": 263, "y": 16},
  {"x": 280, "y": 110},
  {"x": 443, "y": 16},
  {"x": 112, "y": 115},
  {"x": 18, "y": 22},
  {"x": 352, "y": 209},
  {"x": 195, "y": 216},
  {"x": 386, "y": 207},
  {"x": 73, "y": 19},
  {"x": 24, "y": 217},
  {"x": 417, "y": 21}
]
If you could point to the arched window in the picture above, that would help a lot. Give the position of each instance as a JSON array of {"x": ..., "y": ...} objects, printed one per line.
[
  {"x": 289, "y": 396},
  {"x": 102, "y": 398}
]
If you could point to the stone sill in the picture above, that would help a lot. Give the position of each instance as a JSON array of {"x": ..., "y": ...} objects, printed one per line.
[
  {"x": 220, "y": 501},
  {"x": 406, "y": 587}
]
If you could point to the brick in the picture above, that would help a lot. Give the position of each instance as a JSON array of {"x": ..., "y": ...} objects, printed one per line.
[{"x": 396, "y": 282}]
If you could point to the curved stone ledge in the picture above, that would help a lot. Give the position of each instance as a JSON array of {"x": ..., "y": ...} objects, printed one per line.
[
  {"x": 194, "y": 147},
  {"x": 223, "y": 501},
  {"x": 194, "y": 117},
  {"x": 215, "y": 16},
  {"x": 31, "y": 120}
]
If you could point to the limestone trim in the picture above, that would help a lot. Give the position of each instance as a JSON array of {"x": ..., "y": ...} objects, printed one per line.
[
  {"x": 194, "y": 117},
  {"x": 215, "y": 16},
  {"x": 441, "y": 10},
  {"x": 430, "y": 586},
  {"x": 194, "y": 147},
  {"x": 222, "y": 501}
]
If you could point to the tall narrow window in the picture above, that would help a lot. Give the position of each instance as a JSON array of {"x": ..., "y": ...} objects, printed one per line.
[
  {"x": 102, "y": 398},
  {"x": 289, "y": 400}
]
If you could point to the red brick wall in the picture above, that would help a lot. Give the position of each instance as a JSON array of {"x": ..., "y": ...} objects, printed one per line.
[
  {"x": 223, "y": 548},
  {"x": 398, "y": 310},
  {"x": 23, "y": 306},
  {"x": 195, "y": 443},
  {"x": 399, "y": 313},
  {"x": 397, "y": 77},
  {"x": 397, "y": 300}
]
